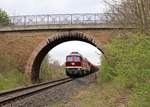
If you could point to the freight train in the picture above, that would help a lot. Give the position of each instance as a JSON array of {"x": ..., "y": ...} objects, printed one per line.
[{"x": 77, "y": 66}]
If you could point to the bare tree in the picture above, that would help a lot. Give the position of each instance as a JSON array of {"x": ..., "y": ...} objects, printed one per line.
[
  {"x": 55, "y": 65},
  {"x": 130, "y": 12}
]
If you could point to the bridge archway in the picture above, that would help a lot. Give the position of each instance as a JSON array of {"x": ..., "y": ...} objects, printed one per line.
[{"x": 37, "y": 56}]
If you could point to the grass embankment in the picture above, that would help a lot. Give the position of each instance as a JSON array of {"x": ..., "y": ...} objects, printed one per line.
[
  {"x": 10, "y": 75},
  {"x": 130, "y": 67},
  {"x": 125, "y": 82}
]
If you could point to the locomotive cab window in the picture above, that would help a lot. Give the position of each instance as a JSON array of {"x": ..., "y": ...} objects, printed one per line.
[
  {"x": 77, "y": 59},
  {"x": 73, "y": 58},
  {"x": 69, "y": 59}
]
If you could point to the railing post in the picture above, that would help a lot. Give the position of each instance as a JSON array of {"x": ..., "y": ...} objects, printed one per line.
[
  {"x": 36, "y": 19},
  {"x": 48, "y": 19},
  {"x": 12, "y": 20},
  {"x": 59, "y": 20},
  {"x": 71, "y": 18},
  {"x": 83, "y": 20},
  {"x": 95, "y": 18},
  {"x": 25, "y": 20}
]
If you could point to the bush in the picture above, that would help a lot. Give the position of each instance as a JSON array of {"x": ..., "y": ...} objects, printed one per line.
[
  {"x": 130, "y": 60},
  {"x": 106, "y": 71},
  {"x": 51, "y": 70}
]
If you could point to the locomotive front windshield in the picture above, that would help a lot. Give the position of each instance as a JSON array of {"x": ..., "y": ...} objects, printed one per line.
[
  {"x": 76, "y": 59},
  {"x": 69, "y": 59},
  {"x": 73, "y": 59}
]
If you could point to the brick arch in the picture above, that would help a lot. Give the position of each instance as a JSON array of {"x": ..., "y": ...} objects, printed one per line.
[{"x": 37, "y": 56}]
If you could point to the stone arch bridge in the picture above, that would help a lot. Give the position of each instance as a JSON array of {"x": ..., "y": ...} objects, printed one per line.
[{"x": 27, "y": 45}]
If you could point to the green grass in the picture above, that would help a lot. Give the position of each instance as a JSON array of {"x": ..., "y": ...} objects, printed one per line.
[
  {"x": 130, "y": 67},
  {"x": 12, "y": 80},
  {"x": 107, "y": 73},
  {"x": 10, "y": 75}
]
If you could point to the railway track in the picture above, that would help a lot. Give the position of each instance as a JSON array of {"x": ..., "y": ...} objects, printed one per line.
[{"x": 9, "y": 96}]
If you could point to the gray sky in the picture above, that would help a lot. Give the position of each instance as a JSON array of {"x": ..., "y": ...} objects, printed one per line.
[
  {"x": 87, "y": 50},
  {"x": 29, "y": 7}
]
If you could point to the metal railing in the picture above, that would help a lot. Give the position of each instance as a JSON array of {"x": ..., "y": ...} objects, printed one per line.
[
  {"x": 59, "y": 19},
  {"x": 106, "y": 19}
]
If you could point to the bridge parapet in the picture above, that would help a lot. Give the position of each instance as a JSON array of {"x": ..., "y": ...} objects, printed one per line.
[
  {"x": 104, "y": 19},
  {"x": 66, "y": 21},
  {"x": 59, "y": 19}
]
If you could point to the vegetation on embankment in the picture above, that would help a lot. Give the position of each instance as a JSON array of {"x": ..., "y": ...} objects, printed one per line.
[
  {"x": 130, "y": 67},
  {"x": 10, "y": 75},
  {"x": 51, "y": 70}
]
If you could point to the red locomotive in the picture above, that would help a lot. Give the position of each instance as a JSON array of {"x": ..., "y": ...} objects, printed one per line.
[{"x": 77, "y": 65}]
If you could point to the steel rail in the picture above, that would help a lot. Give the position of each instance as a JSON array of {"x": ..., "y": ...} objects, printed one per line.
[
  {"x": 6, "y": 97},
  {"x": 31, "y": 86}
]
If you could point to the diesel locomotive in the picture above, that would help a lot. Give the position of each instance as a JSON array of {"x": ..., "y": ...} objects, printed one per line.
[{"x": 77, "y": 66}]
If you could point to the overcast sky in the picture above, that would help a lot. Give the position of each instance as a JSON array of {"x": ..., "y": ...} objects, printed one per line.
[
  {"x": 29, "y": 7},
  {"x": 87, "y": 50}
]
